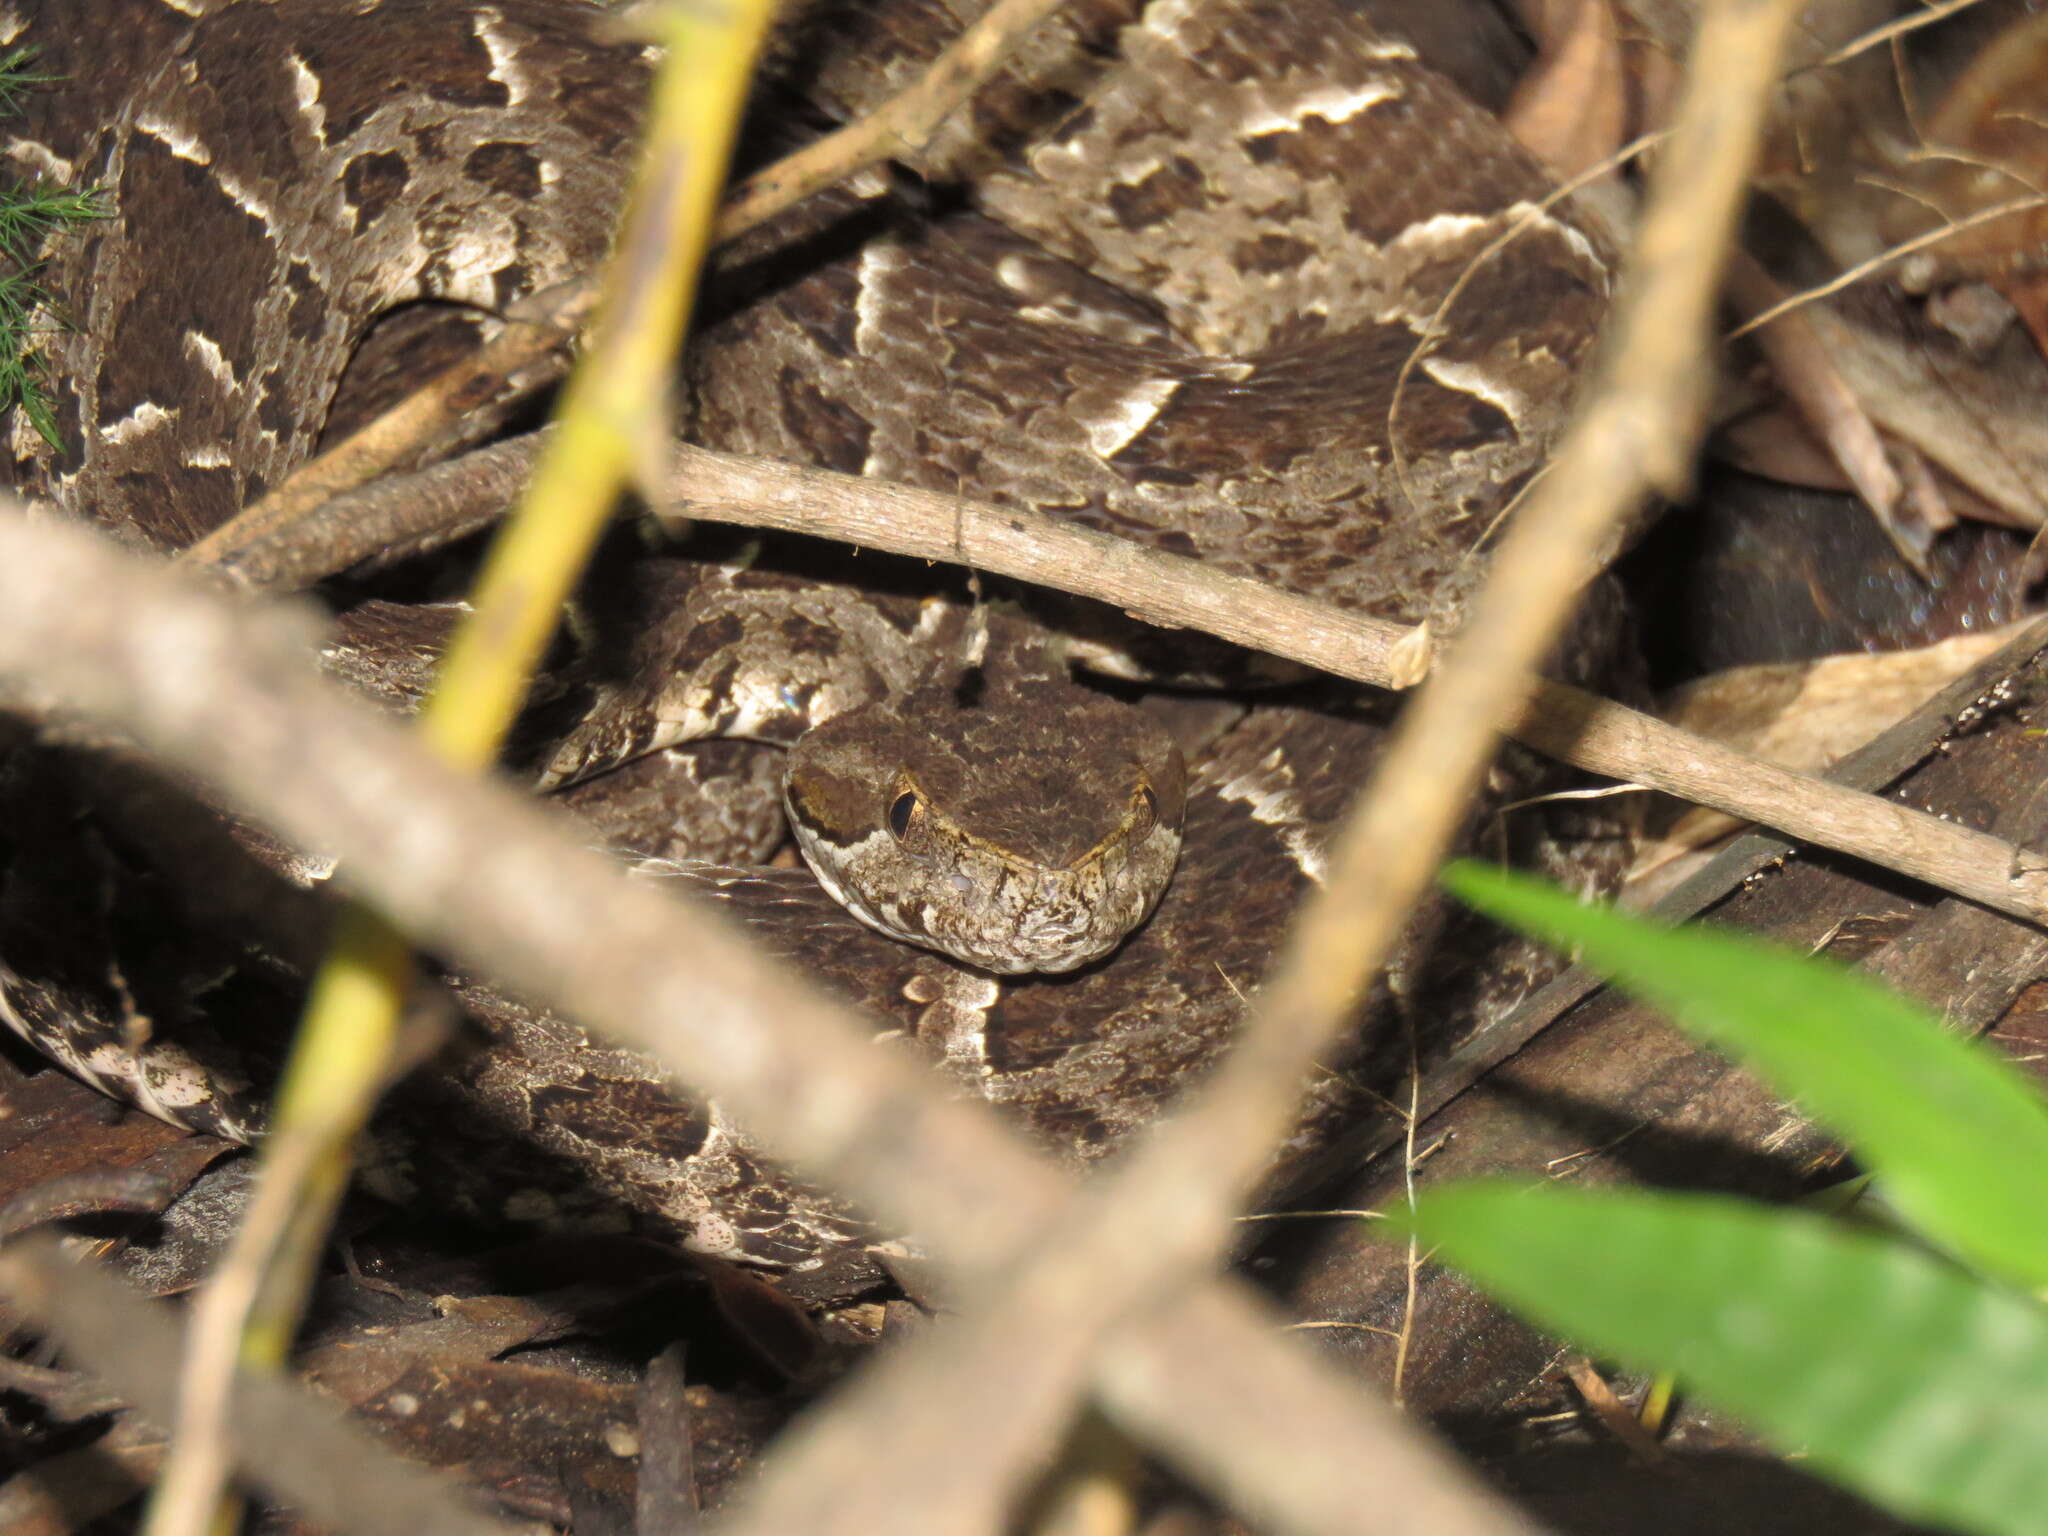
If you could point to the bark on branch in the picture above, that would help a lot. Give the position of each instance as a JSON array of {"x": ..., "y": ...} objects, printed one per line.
[{"x": 481, "y": 873}]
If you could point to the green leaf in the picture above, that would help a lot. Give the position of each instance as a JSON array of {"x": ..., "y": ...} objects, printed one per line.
[
  {"x": 1957, "y": 1138},
  {"x": 1903, "y": 1377}
]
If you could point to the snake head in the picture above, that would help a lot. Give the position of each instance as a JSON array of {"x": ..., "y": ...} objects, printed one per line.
[{"x": 1031, "y": 832}]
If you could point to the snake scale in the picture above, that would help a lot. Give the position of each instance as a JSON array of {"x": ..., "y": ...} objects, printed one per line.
[{"x": 1226, "y": 277}]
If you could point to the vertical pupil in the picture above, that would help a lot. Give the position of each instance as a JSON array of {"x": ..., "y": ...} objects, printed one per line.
[{"x": 900, "y": 810}]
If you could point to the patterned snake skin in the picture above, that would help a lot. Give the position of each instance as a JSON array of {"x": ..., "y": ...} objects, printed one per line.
[{"x": 1234, "y": 278}]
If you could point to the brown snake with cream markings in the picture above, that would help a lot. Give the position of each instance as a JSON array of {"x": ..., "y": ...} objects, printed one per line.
[{"x": 1237, "y": 288}]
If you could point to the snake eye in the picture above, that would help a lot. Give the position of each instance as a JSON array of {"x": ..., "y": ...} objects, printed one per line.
[
  {"x": 901, "y": 809},
  {"x": 1148, "y": 808}
]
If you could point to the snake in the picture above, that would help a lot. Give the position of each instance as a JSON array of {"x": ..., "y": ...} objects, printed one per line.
[{"x": 1243, "y": 280}]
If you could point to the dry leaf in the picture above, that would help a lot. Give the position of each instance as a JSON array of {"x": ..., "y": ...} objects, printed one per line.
[
  {"x": 1570, "y": 109},
  {"x": 1985, "y": 144}
]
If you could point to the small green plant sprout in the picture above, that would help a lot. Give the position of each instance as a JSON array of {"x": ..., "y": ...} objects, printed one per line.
[
  {"x": 28, "y": 213},
  {"x": 1911, "y": 1367}
]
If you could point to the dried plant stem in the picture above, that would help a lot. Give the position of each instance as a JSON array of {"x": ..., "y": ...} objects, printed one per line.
[
  {"x": 1877, "y": 37},
  {"x": 480, "y": 874},
  {"x": 1887, "y": 258},
  {"x": 528, "y": 352},
  {"x": 903, "y": 123}
]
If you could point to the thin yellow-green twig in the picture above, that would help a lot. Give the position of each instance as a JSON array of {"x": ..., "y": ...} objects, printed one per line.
[{"x": 613, "y": 420}]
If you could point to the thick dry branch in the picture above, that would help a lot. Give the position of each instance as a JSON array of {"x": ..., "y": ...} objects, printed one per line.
[
  {"x": 1171, "y": 590},
  {"x": 1635, "y": 435},
  {"x": 479, "y": 872},
  {"x": 1154, "y": 1371},
  {"x": 294, "y": 1444},
  {"x": 1150, "y": 1226},
  {"x": 391, "y": 519},
  {"x": 1873, "y": 765},
  {"x": 1953, "y": 858}
]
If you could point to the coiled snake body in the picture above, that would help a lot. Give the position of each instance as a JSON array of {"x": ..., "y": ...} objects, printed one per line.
[{"x": 1235, "y": 280}]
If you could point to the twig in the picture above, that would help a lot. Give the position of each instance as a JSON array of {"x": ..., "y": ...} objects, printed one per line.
[
  {"x": 665, "y": 1500},
  {"x": 1851, "y": 276},
  {"x": 1176, "y": 592},
  {"x": 1893, "y": 29},
  {"x": 905, "y": 122},
  {"x": 1173, "y": 591},
  {"x": 1869, "y": 767},
  {"x": 1985, "y": 869},
  {"x": 1411, "y": 1121},
  {"x": 272, "y": 1255},
  {"x": 393, "y": 518},
  {"x": 1160, "y": 1216},
  {"x": 525, "y": 355},
  {"x": 295, "y": 1445},
  {"x": 1611, "y": 1410},
  {"x": 612, "y": 408},
  {"x": 479, "y": 873}
]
